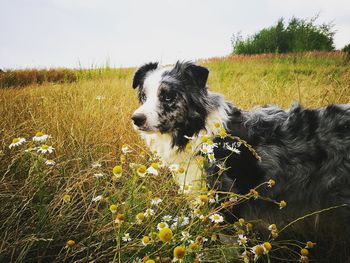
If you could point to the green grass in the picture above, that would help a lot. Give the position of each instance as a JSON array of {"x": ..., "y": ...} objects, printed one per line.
[{"x": 37, "y": 219}]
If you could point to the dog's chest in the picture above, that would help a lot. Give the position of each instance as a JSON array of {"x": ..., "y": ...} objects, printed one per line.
[{"x": 160, "y": 144}]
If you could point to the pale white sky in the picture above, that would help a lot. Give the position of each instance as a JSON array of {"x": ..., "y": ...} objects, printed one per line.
[{"x": 69, "y": 33}]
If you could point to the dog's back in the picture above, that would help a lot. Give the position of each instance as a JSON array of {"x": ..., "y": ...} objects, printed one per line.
[{"x": 307, "y": 153}]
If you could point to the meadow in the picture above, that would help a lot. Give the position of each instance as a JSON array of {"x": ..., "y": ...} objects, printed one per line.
[{"x": 99, "y": 195}]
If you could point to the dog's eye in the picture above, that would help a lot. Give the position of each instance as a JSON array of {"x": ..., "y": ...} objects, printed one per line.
[
  {"x": 169, "y": 97},
  {"x": 143, "y": 97}
]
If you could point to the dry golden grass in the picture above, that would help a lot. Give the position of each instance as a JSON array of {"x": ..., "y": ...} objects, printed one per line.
[{"x": 89, "y": 121}]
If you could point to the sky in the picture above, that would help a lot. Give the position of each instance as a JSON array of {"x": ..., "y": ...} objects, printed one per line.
[{"x": 94, "y": 33}]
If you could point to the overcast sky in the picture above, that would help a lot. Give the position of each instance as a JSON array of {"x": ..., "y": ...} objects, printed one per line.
[{"x": 73, "y": 33}]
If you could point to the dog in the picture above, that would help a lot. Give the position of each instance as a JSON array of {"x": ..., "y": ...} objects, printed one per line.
[{"x": 305, "y": 151}]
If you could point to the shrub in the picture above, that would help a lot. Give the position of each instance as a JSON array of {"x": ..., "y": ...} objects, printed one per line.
[{"x": 298, "y": 35}]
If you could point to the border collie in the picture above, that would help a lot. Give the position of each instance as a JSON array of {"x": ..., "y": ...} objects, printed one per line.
[{"x": 306, "y": 151}]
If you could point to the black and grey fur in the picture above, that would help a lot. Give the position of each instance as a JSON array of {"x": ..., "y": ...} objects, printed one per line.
[{"x": 306, "y": 151}]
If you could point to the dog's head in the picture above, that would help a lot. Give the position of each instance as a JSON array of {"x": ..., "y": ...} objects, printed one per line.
[{"x": 173, "y": 100}]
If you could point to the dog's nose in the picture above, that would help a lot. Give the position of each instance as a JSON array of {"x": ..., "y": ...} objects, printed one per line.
[{"x": 139, "y": 119}]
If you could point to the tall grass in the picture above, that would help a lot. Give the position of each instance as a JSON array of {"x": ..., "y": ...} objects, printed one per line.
[{"x": 89, "y": 121}]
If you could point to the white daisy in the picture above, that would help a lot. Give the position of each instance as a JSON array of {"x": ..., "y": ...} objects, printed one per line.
[
  {"x": 125, "y": 149},
  {"x": 185, "y": 235},
  {"x": 149, "y": 212},
  {"x": 99, "y": 97},
  {"x": 16, "y": 142},
  {"x": 216, "y": 218},
  {"x": 98, "y": 175},
  {"x": 96, "y": 165},
  {"x": 126, "y": 237},
  {"x": 156, "y": 201},
  {"x": 167, "y": 218},
  {"x": 242, "y": 240},
  {"x": 40, "y": 137},
  {"x": 45, "y": 149},
  {"x": 50, "y": 162},
  {"x": 174, "y": 168},
  {"x": 97, "y": 198},
  {"x": 211, "y": 157},
  {"x": 162, "y": 225},
  {"x": 153, "y": 169},
  {"x": 185, "y": 189}
]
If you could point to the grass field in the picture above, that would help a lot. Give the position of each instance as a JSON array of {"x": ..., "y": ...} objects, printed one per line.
[{"x": 81, "y": 199}]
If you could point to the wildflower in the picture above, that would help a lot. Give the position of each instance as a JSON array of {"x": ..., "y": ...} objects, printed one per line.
[
  {"x": 282, "y": 204},
  {"x": 254, "y": 193},
  {"x": 267, "y": 247},
  {"x": 242, "y": 240},
  {"x": 271, "y": 183},
  {"x": 117, "y": 171},
  {"x": 185, "y": 235},
  {"x": 113, "y": 208},
  {"x": 146, "y": 240},
  {"x": 96, "y": 165},
  {"x": 232, "y": 148},
  {"x": 141, "y": 171},
  {"x": 167, "y": 218},
  {"x": 45, "y": 149},
  {"x": 304, "y": 252},
  {"x": 99, "y": 97},
  {"x": 211, "y": 157},
  {"x": 156, "y": 201},
  {"x": 189, "y": 147},
  {"x": 29, "y": 149},
  {"x": 70, "y": 243},
  {"x": 162, "y": 225},
  {"x": 125, "y": 149},
  {"x": 204, "y": 139},
  {"x": 97, "y": 198},
  {"x": 174, "y": 168},
  {"x": 310, "y": 244},
  {"x": 66, "y": 198},
  {"x": 217, "y": 125},
  {"x": 17, "y": 142},
  {"x": 182, "y": 221},
  {"x": 304, "y": 259},
  {"x": 204, "y": 199},
  {"x": 213, "y": 197},
  {"x": 98, "y": 175},
  {"x": 194, "y": 246},
  {"x": 40, "y": 137},
  {"x": 258, "y": 250},
  {"x": 126, "y": 237},
  {"x": 222, "y": 133},
  {"x": 241, "y": 221},
  {"x": 140, "y": 217},
  {"x": 249, "y": 227},
  {"x": 179, "y": 253},
  {"x": 207, "y": 148},
  {"x": 165, "y": 234},
  {"x": 181, "y": 171},
  {"x": 272, "y": 227},
  {"x": 50, "y": 162},
  {"x": 153, "y": 169},
  {"x": 216, "y": 218},
  {"x": 119, "y": 218},
  {"x": 149, "y": 212},
  {"x": 185, "y": 189}
]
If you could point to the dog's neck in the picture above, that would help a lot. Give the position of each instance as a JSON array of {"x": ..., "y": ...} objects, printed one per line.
[{"x": 187, "y": 158}]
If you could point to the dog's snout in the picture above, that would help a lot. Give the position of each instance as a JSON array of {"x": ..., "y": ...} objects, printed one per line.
[{"x": 139, "y": 119}]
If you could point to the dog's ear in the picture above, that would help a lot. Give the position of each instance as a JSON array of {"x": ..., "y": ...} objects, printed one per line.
[
  {"x": 192, "y": 73},
  {"x": 141, "y": 73},
  {"x": 200, "y": 74}
]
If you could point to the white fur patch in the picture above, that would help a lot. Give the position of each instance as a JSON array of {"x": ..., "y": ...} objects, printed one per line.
[{"x": 149, "y": 107}]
